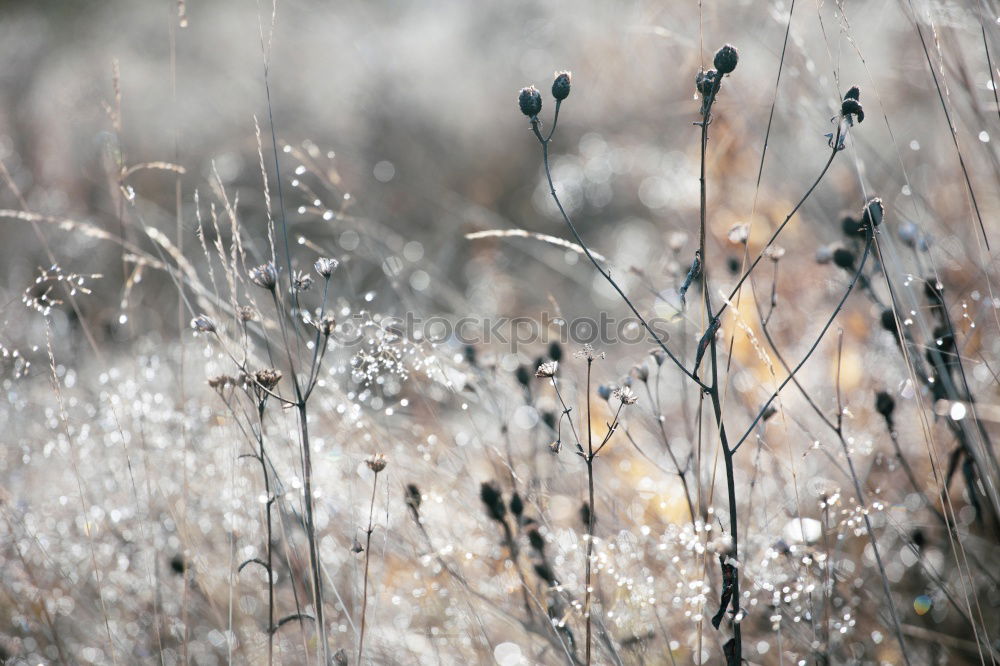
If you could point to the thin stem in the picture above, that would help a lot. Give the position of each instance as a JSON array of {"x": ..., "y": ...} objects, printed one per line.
[
  {"x": 314, "y": 565},
  {"x": 590, "y": 514},
  {"x": 368, "y": 550}
]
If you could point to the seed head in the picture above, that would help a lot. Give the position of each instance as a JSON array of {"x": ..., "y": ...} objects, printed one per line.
[
  {"x": 530, "y": 101},
  {"x": 493, "y": 501},
  {"x": 547, "y": 369},
  {"x": 203, "y": 324},
  {"x": 523, "y": 375},
  {"x": 301, "y": 281},
  {"x": 852, "y": 228},
  {"x": 626, "y": 395},
  {"x": 413, "y": 500},
  {"x": 873, "y": 213},
  {"x": 516, "y": 505},
  {"x": 851, "y": 108},
  {"x": 560, "y": 86},
  {"x": 844, "y": 258},
  {"x": 707, "y": 82},
  {"x": 265, "y": 276},
  {"x": 726, "y": 59},
  {"x": 888, "y": 321},
  {"x": 376, "y": 462},
  {"x": 884, "y": 405},
  {"x": 246, "y": 313},
  {"x": 327, "y": 324},
  {"x": 555, "y": 351},
  {"x": 267, "y": 377},
  {"x": 325, "y": 266},
  {"x": 853, "y": 93}
]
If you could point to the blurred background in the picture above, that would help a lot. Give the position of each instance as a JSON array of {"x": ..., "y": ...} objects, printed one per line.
[{"x": 387, "y": 132}]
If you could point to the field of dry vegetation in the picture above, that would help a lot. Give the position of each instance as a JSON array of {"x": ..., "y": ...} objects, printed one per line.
[{"x": 366, "y": 333}]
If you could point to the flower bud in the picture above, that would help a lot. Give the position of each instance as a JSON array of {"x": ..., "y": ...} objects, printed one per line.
[
  {"x": 530, "y": 101},
  {"x": 726, "y": 59},
  {"x": 560, "y": 87}
]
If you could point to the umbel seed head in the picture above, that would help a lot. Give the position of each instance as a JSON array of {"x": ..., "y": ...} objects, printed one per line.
[
  {"x": 726, "y": 59},
  {"x": 530, "y": 101},
  {"x": 561, "y": 85},
  {"x": 265, "y": 276}
]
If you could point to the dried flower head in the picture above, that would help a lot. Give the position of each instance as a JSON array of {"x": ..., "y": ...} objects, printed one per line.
[
  {"x": 530, "y": 101},
  {"x": 561, "y": 85},
  {"x": 851, "y": 108},
  {"x": 327, "y": 325},
  {"x": 265, "y": 276},
  {"x": 708, "y": 82},
  {"x": 739, "y": 234},
  {"x": 726, "y": 59},
  {"x": 325, "y": 266},
  {"x": 301, "y": 281},
  {"x": 221, "y": 382},
  {"x": 493, "y": 501},
  {"x": 203, "y": 324},
  {"x": 774, "y": 252},
  {"x": 267, "y": 377},
  {"x": 376, "y": 462},
  {"x": 873, "y": 213},
  {"x": 587, "y": 352},
  {"x": 547, "y": 369},
  {"x": 843, "y": 258},
  {"x": 626, "y": 395},
  {"x": 246, "y": 313},
  {"x": 413, "y": 500}
]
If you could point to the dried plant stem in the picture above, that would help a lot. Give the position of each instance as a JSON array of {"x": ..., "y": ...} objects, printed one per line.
[
  {"x": 270, "y": 540},
  {"x": 588, "y": 574},
  {"x": 734, "y": 656},
  {"x": 368, "y": 552},
  {"x": 314, "y": 565}
]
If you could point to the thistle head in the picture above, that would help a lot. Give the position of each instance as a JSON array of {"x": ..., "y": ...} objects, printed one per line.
[
  {"x": 561, "y": 86},
  {"x": 530, "y": 101},
  {"x": 726, "y": 59}
]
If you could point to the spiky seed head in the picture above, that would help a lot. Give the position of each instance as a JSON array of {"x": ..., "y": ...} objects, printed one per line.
[
  {"x": 325, "y": 266},
  {"x": 530, "y": 101},
  {"x": 726, "y": 59},
  {"x": 547, "y": 369},
  {"x": 561, "y": 85},
  {"x": 265, "y": 276}
]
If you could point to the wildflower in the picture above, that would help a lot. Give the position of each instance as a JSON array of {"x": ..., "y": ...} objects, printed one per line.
[
  {"x": 301, "y": 281},
  {"x": 267, "y": 378},
  {"x": 561, "y": 85},
  {"x": 376, "y": 462},
  {"x": 547, "y": 369},
  {"x": 265, "y": 276},
  {"x": 530, "y": 101},
  {"x": 203, "y": 324},
  {"x": 325, "y": 266},
  {"x": 726, "y": 59},
  {"x": 626, "y": 395}
]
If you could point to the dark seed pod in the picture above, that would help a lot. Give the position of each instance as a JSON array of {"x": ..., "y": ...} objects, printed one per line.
[
  {"x": 493, "y": 501},
  {"x": 178, "y": 565},
  {"x": 530, "y": 101},
  {"x": 844, "y": 258},
  {"x": 733, "y": 263},
  {"x": 555, "y": 351},
  {"x": 918, "y": 538},
  {"x": 544, "y": 571},
  {"x": 726, "y": 59},
  {"x": 585, "y": 516},
  {"x": 413, "y": 499},
  {"x": 549, "y": 419},
  {"x": 873, "y": 213},
  {"x": 536, "y": 540},
  {"x": 523, "y": 374},
  {"x": 889, "y": 322},
  {"x": 470, "y": 355},
  {"x": 853, "y": 93},
  {"x": 707, "y": 82},
  {"x": 516, "y": 505},
  {"x": 851, "y": 108},
  {"x": 852, "y": 228},
  {"x": 885, "y": 405},
  {"x": 561, "y": 85}
]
